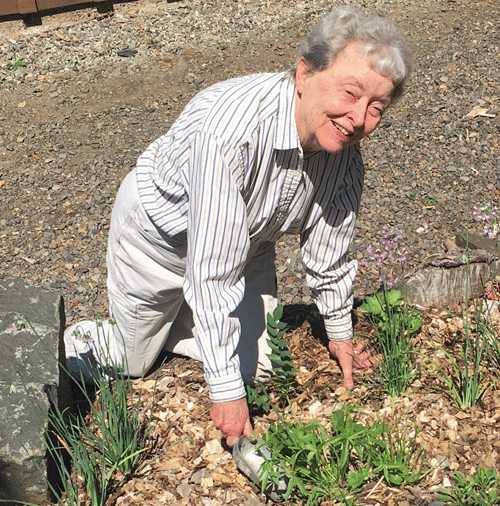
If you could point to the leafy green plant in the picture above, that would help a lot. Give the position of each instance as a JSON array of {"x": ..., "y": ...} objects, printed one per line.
[
  {"x": 480, "y": 489},
  {"x": 15, "y": 65},
  {"x": 321, "y": 464},
  {"x": 222, "y": 46},
  {"x": 430, "y": 201},
  {"x": 395, "y": 325},
  {"x": 281, "y": 383}
]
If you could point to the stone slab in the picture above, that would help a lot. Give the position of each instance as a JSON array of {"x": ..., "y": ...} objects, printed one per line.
[
  {"x": 31, "y": 381},
  {"x": 446, "y": 287}
]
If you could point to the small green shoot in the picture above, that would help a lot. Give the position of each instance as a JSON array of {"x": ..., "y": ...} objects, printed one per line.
[{"x": 15, "y": 65}]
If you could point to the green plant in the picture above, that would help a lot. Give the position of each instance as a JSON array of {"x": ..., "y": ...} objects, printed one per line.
[
  {"x": 480, "y": 489},
  {"x": 395, "y": 325},
  {"x": 281, "y": 383},
  {"x": 222, "y": 46},
  {"x": 412, "y": 196},
  {"x": 15, "y": 65},
  {"x": 430, "y": 201},
  {"x": 466, "y": 385},
  {"x": 334, "y": 464},
  {"x": 110, "y": 443},
  {"x": 394, "y": 322}
]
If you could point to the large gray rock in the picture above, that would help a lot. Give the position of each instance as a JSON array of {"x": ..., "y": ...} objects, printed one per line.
[{"x": 31, "y": 382}]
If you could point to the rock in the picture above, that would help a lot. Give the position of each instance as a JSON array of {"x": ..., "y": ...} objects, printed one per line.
[
  {"x": 31, "y": 381},
  {"x": 449, "y": 280},
  {"x": 476, "y": 242}
]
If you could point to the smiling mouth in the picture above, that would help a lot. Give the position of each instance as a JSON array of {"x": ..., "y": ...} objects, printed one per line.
[{"x": 341, "y": 129}]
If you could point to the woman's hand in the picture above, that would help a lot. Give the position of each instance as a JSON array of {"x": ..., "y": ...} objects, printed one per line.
[
  {"x": 351, "y": 358},
  {"x": 232, "y": 418}
]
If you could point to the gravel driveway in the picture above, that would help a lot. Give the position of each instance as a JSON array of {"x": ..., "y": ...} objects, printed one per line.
[{"x": 96, "y": 89}]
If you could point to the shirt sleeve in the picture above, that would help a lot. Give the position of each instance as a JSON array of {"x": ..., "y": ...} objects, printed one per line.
[
  {"x": 325, "y": 252},
  {"x": 218, "y": 244}
]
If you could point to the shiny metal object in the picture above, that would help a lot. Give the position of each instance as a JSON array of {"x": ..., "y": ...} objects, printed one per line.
[{"x": 249, "y": 461}]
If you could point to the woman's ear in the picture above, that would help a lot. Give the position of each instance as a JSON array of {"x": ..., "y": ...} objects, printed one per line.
[{"x": 301, "y": 74}]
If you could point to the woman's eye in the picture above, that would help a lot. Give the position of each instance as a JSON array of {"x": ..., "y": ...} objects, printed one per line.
[{"x": 378, "y": 110}]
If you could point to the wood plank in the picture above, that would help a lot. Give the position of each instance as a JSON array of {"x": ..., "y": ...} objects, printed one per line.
[
  {"x": 8, "y": 7},
  {"x": 53, "y": 4},
  {"x": 26, "y": 6}
]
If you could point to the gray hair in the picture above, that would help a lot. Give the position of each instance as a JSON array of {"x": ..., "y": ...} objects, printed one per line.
[{"x": 385, "y": 47}]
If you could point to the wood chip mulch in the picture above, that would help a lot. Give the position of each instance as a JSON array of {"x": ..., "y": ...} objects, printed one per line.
[{"x": 189, "y": 464}]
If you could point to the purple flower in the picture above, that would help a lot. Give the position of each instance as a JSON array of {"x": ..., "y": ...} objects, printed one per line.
[
  {"x": 21, "y": 326},
  {"x": 397, "y": 256},
  {"x": 391, "y": 235}
]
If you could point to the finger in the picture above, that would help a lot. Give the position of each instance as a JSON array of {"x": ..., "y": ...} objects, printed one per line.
[
  {"x": 348, "y": 383},
  {"x": 346, "y": 364},
  {"x": 231, "y": 440},
  {"x": 247, "y": 431}
]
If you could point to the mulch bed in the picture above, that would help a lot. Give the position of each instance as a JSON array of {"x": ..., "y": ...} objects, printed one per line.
[{"x": 191, "y": 466}]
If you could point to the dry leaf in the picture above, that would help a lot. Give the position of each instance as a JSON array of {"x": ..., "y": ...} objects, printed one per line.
[{"x": 477, "y": 110}]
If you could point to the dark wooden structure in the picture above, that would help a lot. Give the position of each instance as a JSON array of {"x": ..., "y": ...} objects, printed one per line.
[{"x": 25, "y": 7}]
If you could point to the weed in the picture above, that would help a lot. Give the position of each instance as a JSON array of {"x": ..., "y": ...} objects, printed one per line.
[
  {"x": 334, "y": 464},
  {"x": 430, "y": 201},
  {"x": 15, "y": 65},
  {"x": 480, "y": 489},
  {"x": 222, "y": 46}
]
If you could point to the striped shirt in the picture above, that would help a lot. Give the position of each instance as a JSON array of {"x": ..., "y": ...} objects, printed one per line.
[{"x": 231, "y": 173}]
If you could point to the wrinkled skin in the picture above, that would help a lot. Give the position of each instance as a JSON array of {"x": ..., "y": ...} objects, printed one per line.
[{"x": 232, "y": 419}]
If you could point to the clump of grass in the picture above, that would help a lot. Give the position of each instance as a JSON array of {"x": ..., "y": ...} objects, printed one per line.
[{"x": 108, "y": 444}]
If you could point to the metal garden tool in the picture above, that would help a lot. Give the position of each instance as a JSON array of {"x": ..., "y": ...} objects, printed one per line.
[{"x": 249, "y": 460}]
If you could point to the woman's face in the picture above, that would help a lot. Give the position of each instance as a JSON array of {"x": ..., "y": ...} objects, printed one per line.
[{"x": 342, "y": 104}]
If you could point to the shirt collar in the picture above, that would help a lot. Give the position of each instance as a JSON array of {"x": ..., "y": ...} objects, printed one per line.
[{"x": 286, "y": 131}]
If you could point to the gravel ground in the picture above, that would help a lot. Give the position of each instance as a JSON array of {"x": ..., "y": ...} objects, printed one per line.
[{"x": 76, "y": 116}]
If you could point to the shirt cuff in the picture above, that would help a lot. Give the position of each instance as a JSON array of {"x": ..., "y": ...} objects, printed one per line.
[
  {"x": 339, "y": 329},
  {"x": 226, "y": 388}
]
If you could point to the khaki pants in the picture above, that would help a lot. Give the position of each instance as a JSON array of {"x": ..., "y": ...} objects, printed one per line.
[{"x": 145, "y": 276}]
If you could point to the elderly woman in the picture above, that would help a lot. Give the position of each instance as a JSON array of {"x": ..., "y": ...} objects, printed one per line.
[{"x": 191, "y": 243}]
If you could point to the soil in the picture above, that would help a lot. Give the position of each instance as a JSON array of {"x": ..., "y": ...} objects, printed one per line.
[{"x": 68, "y": 140}]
